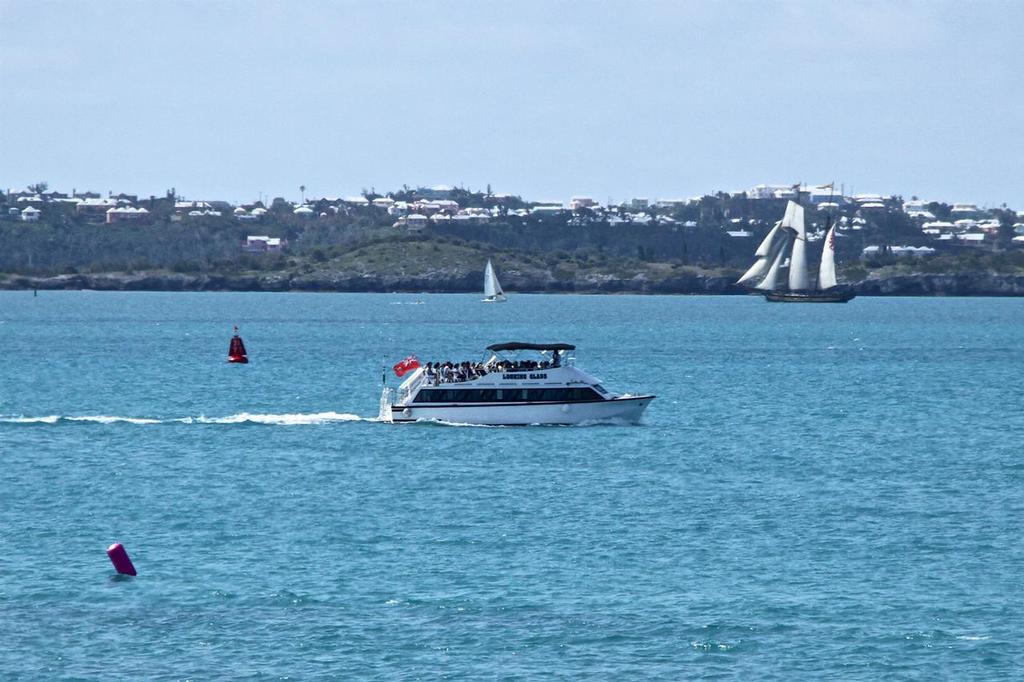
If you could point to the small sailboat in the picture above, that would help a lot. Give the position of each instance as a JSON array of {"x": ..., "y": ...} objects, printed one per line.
[
  {"x": 790, "y": 236},
  {"x": 493, "y": 292},
  {"x": 236, "y": 351}
]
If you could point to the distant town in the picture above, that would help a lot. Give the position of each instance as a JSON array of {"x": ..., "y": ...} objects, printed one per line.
[{"x": 579, "y": 244}]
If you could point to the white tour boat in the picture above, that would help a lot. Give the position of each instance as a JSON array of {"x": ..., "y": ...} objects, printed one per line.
[
  {"x": 510, "y": 389},
  {"x": 493, "y": 293}
]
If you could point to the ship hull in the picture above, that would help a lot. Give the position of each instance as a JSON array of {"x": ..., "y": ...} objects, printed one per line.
[
  {"x": 808, "y": 296},
  {"x": 624, "y": 410}
]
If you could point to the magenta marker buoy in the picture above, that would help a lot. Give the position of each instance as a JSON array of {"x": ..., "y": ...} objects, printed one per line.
[{"x": 119, "y": 557}]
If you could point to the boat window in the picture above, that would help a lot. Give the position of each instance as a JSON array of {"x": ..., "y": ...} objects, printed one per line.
[
  {"x": 432, "y": 395},
  {"x": 561, "y": 394},
  {"x": 600, "y": 389},
  {"x": 505, "y": 395}
]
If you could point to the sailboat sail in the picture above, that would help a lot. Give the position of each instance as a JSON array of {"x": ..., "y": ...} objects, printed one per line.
[
  {"x": 764, "y": 254},
  {"x": 770, "y": 282},
  {"x": 827, "y": 271},
  {"x": 765, "y": 249},
  {"x": 789, "y": 238},
  {"x": 794, "y": 219},
  {"x": 492, "y": 288}
]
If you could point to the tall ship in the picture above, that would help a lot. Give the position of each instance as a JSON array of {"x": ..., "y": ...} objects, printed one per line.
[
  {"x": 789, "y": 237},
  {"x": 519, "y": 384},
  {"x": 493, "y": 293}
]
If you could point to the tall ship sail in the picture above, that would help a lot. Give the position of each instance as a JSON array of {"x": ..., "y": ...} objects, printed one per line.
[
  {"x": 789, "y": 236},
  {"x": 493, "y": 292}
]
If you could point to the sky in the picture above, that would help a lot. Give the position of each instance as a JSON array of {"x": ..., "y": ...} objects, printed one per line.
[{"x": 237, "y": 100}]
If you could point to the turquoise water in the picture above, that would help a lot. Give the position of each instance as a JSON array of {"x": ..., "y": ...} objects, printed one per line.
[{"x": 817, "y": 492}]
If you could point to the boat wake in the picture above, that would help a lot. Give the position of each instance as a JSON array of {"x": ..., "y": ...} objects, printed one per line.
[
  {"x": 300, "y": 419},
  {"x": 240, "y": 418}
]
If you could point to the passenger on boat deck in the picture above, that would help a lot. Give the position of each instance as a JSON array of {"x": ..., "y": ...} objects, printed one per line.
[{"x": 448, "y": 372}]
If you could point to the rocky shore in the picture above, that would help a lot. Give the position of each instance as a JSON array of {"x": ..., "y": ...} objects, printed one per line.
[{"x": 970, "y": 284}]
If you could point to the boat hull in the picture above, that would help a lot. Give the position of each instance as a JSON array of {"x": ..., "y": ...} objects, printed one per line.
[
  {"x": 808, "y": 296},
  {"x": 615, "y": 410}
]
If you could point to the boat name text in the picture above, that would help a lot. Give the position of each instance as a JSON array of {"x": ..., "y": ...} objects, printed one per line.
[{"x": 523, "y": 376}]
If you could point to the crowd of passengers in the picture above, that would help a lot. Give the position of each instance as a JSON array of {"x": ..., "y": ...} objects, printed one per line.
[{"x": 454, "y": 373}]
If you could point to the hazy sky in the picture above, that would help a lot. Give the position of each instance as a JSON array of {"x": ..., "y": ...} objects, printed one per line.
[{"x": 547, "y": 99}]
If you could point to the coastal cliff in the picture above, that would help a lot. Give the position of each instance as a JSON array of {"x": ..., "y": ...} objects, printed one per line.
[{"x": 963, "y": 284}]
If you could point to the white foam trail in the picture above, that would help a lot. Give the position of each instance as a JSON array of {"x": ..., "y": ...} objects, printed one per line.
[
  {"x": 104, "y": 419},
  {"x": 52, "y": 419},
  {"x": 241, "y": 418},
  {"x": 610, "y": 421},
  {"x": 281, "y": 419}
]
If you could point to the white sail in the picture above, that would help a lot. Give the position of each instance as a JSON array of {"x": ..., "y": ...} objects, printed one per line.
[
  {"x": 771, "y": 280},
  {"x": 794, "y": 219},
  {"x": 756, "y": 270},
  {"x": 492, "y": 288},
  {"x": 765, "y": 250},
  {"x": 827, "y": 272},
  {"x": 764, "y": 254}
]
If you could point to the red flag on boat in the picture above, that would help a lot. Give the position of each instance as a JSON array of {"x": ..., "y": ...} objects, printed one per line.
[{"x": 407, "y": 365}]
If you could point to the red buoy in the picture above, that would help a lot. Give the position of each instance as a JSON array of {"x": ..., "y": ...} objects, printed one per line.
[
  {"x": 119, "y": 557},
  {"x": 236, "y": 351}
]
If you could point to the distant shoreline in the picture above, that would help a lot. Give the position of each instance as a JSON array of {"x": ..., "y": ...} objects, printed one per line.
[{"x": 964, "y": 284}]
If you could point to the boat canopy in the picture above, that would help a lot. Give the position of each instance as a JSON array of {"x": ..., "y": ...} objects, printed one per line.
[{"x": 516, "y": 345}]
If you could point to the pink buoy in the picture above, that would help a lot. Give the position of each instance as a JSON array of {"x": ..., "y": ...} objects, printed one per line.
[{"x": 119, "y": 557}]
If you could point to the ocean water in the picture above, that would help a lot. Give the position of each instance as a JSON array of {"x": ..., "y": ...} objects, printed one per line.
[{"x": 819, "y": 492}]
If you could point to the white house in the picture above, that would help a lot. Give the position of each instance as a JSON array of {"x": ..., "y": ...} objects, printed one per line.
[
  {"x": 30, "y": 214},
  {"x": 416, "y": 222},
  {"x": 263, "y": 244},
  {"x": 547, "y": 209},
  {"x": 95, "y": 206},
  {"x": 767, "y": 191},
  {"x": 122, "y": 213},
  {"x": 577, "y": 203},
  {"x": 966, "y": 211},
  {"x": 448, "y": 205}
]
